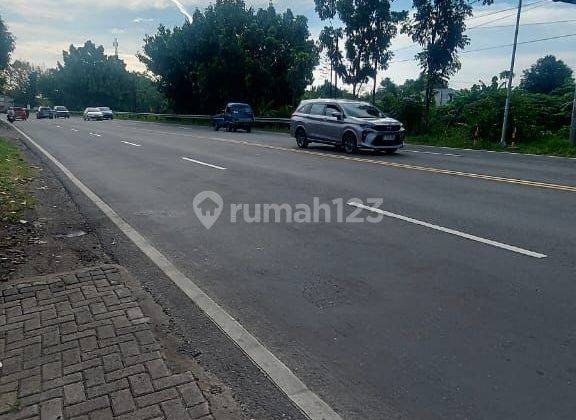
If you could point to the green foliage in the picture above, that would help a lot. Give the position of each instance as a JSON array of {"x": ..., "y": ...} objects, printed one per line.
[
  {"x": 531, "y": 115},
  {"x": 369, "y": 27},
  {"x": 6, "y": 45},
  {"x": 14, "y": 175},
  {"x": 22, "y": 82},
  {"x": 6, "y": 48},
  {"x": 439, "y": 26},
  {"x": 546, "y": 75},
  {"x": 326, "y": 91},
  {"x": 88, "y": 77},
  {"x": 229, "y": 52},
  {"x": 403, "y": 102}
]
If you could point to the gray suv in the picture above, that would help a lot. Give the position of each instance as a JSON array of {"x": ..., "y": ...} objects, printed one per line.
[{"x": 346, "y": 124}]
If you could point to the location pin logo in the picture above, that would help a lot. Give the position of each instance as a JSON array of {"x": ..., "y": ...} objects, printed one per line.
[{"x": 208, "y": 206}]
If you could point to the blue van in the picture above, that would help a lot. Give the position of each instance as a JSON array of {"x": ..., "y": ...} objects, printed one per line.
[{"x": 235, "y": 116}]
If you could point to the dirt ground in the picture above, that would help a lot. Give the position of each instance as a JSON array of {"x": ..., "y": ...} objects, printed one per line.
[{"x": 54, "y": 237}]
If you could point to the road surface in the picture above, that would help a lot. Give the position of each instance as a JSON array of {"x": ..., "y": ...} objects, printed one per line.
[{"x": 458, "y": 304}]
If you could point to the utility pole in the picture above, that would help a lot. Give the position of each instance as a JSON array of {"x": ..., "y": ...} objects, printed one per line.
[
  {"x": 573, "y": 126},
  {"x": 510, "y": 77}
]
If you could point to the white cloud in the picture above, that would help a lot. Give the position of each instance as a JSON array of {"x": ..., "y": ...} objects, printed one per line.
[
  {"x": 45, "y": 27},
  {"x": 143, "y": 20}
]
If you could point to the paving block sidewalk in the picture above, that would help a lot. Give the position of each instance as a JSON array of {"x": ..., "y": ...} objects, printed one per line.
[{"x": 78, "y": 346}]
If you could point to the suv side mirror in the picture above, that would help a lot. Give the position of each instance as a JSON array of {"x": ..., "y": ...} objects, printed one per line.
[{"x": 336, "y": 114}]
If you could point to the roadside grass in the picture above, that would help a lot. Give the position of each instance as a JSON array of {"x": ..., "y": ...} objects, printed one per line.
[
  {"x": 548, "y": 144},
  {"x": 14, "y": 177}
]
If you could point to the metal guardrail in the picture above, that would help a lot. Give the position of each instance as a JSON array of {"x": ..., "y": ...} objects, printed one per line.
[{"x": 261, "y": 120}]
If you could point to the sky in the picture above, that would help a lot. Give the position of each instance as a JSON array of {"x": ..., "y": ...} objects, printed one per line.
[{"x": 43, "y": 28}]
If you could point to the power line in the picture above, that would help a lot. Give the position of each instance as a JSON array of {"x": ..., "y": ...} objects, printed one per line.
[
  {"x": 532, "y": 41},
  {"x": 526, "y": 24},
  {"x": 506, "y": 10},
  {"x": 536, "y": 5}
]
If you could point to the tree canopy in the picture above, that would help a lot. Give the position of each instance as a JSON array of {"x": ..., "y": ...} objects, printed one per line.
[
  {"x": 230, "y": 52},
  {"x": 369, "y": 27},
  {"x": 438, "y": 26},
  {"x": 88, "y": 77},
  {"x": 22, "y": 82},
  {"x": 546, "y": 75},
  {"x": 6, "y": 48}
]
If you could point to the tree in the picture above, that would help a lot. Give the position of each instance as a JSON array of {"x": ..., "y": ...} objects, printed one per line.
[
  {"x": 330, "y": 42},
  {"x": 438, "y": 26},
  {"x": 88, "y": 77},
  {"x": 6, "y": 48},
  {"x": 22, "y": 82},
  {"x": 547, "y": 74},
  {"x": 229, "y": 52},
  {"x": 383, "y": 28},
  {"x": 369, "y": 26}
]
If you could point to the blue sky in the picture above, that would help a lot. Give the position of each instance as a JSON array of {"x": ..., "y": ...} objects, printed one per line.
[{"x": 44, "y": 28}]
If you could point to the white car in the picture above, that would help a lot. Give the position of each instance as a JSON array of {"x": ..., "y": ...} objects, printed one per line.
[{"x": 93, "y": 114}]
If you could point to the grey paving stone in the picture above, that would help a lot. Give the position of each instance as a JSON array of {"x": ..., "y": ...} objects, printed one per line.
[
  {"x": 122, "y": 402},
  {"x": 87, "y": 406},
  {"x": 74, "y": 393},
  {"x": 157, "y": 368},
  {"x": 199, "y": 411},
  {"x": 191, "y": 394},
  {"x": 80, "y": 347},
  {"x": 51, "y": 409},
  {"x": 141, "y": 384},
  {"x": 174, "y": 409},
  {"x": 30, "y": 385}
]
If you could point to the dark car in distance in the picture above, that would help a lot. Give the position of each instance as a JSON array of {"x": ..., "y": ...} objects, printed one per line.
[
  {"x": 107, "y": 113},
  {"x": 346, "y": 124},
  {"x": 235, "y": 116},
  {"x": 44, "y": 112},
  {"x": 61, "y": 112},
  {"x": 17, "y": 113}
]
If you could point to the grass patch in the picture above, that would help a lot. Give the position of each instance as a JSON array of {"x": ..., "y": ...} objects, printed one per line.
[
  {"x": 14, "y": 177},
  {"x": 548, "y": 144}
]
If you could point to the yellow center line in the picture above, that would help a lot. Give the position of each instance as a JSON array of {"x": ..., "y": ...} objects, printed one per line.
[
  {"x": 528, "y": 183},
  {"x": 525, "y": 182}
]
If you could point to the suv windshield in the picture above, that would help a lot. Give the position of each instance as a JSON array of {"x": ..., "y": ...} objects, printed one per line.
[
  {"x": 104, "y": 108},
  {"x": 361, "y": 110},
  {"x": 92, "y": 110}
]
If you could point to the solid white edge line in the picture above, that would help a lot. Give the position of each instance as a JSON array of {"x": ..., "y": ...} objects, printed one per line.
[
  {"x": 306, "y": 400},
  {"x": 450, "y": 231},
  {"x": 492, "y": 151},
  {"x": 131, "y": 144},
  {"x": 204, "y": 163},
  {"x": 431, "y": 153}
]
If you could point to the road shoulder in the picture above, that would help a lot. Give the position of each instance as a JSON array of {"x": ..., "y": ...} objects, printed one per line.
[{"x": 78, "y": 333}]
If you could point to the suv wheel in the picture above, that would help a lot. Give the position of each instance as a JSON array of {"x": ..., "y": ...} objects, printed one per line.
[
  {"x": 349, "y": 143},
  {"x": 301, "y": 139}
]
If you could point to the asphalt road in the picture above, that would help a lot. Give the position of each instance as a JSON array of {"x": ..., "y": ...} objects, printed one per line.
[{"x": 404, "y": 318}]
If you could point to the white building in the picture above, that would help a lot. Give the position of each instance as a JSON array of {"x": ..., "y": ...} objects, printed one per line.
[{"x": 443, "y": 95}]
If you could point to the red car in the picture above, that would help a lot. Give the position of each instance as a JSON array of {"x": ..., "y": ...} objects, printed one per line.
[{"x": 17, "y": 113}]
